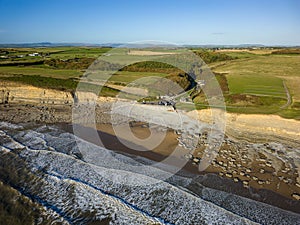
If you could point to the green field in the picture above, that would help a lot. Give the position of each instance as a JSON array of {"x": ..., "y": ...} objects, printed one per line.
[
  {"x": 42, "y": 71},
  {"x": 256, "y": 85},
  {"x": 262, "y": 77}
]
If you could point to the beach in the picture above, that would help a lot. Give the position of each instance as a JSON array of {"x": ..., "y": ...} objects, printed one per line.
[
  {"x": 248, "y": 164},
  {"x": 274, "y": 190}
]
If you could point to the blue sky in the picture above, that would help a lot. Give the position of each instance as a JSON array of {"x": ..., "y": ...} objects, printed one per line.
[{"x": 270, "y": 22}]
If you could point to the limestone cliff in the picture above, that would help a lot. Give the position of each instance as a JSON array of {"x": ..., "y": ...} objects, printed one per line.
[
  {"x": 255, "y": 126},
  {"x": 11, "y": 92},
  {"x": 15, "y": 93}
]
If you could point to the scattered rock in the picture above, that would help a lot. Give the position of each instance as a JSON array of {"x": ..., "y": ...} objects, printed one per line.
[
  {"x": 228, "y": 175},
  {"x": 196, "y": 160},
  {"x": 285, "y": 180},
  {"x": 246, "y": 183},
  {"x": 268, "y": 164},
  {"x": 296, "y": 196},
  {"x": 260, "y": 182}
]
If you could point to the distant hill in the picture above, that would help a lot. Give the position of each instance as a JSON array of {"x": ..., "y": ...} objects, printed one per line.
[
  {"x": 49, "y": 45},
  {"x": 132, "y": 45}
]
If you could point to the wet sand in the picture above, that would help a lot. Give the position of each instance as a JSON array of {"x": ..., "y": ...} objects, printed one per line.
[
  {"x": 107, "y": 138},
  {"x": 237, "y": 163},
  {"x": 267, "y": 193}
]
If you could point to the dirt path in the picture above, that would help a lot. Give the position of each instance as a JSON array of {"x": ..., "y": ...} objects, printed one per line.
[{"x": 288, "y": 97}]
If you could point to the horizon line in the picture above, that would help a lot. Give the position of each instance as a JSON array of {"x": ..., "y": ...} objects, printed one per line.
[{"x": 166, "y": 43}]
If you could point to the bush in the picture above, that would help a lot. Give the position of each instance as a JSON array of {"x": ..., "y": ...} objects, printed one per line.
[
  {"x": 151, "y": 66},
  {"x": 210, "y": 56},
  {"x": 287, "y": 51}
]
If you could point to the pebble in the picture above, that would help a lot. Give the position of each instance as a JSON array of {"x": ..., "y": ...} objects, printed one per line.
[
  {"x": 245, "y": 184},
  {"x": 228, "y": 175},
  {"x": 286, "y": 181},
  {"x": 268, "y": 164},
  {"x": 260, "y": 182},
  {"x": 196, "y": 160},
  {"x": 296, "y": 196}
]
